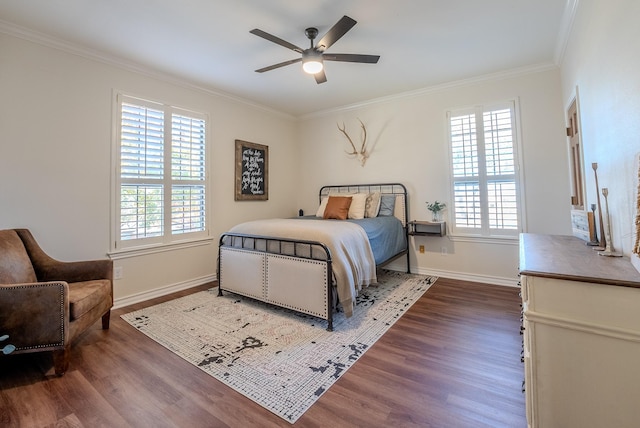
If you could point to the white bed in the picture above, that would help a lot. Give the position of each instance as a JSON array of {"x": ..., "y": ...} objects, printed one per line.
[{"x": 301, "y": 263}]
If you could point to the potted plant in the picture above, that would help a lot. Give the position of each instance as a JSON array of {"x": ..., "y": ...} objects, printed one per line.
[{"x": 436, "y": 208}]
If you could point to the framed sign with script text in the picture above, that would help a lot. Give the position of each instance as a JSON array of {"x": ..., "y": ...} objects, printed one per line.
[{"x": 252, "y": 171}]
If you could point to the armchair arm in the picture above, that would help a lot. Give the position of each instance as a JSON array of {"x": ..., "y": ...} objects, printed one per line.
[
  {"x": 35, "y": 315},
  {"x": 50, "y": 269}
]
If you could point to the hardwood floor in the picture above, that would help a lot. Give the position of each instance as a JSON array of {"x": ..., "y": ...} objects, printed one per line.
[{"x": 453, "y": 360}]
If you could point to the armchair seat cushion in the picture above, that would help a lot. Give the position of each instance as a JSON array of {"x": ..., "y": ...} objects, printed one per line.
[{"x": 84, "y": 296}]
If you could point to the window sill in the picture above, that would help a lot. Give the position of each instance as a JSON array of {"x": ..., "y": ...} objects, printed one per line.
[
  {"x": 501, "y": 240},
  {"x": 157, "y": 248}
]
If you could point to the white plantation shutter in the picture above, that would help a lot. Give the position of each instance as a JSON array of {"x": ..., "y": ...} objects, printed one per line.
[
  {"x": 141, "y": 211},
  {"x": 141, "y": 142},
  {"x": 161, "y": 173},
  {"x": 188, "y": 174},
  {"x": 141, "y": 172},
  {"x": 464, "y": 154},
  {"x": 483, "y": 150}
]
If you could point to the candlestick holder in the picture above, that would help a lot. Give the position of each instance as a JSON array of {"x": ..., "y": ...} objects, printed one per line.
[
  {"x": 608, "y": 250},
  {"x": 594, "y": 239},
  {"x": 602, "y": 242}
]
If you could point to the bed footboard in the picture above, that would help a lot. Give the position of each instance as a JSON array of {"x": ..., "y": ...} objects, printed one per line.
[{"x": 288, "y": 273}]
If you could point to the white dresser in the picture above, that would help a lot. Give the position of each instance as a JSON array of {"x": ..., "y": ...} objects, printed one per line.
[{"x": 581, "y": 334}]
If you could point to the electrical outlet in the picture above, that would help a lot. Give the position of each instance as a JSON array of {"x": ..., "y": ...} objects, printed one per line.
[
  {"x": 443, "y": 251},
  {"x": 422, "y": 248},
  {"x": 117, "y": 272}
]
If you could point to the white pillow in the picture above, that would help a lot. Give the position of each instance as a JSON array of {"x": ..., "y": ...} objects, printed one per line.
[
  {"x": 322, "y": 207},
  {"x": 358, "y": 205}
]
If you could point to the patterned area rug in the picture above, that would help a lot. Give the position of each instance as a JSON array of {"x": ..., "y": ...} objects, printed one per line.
[{"x": 280, "y": 359}]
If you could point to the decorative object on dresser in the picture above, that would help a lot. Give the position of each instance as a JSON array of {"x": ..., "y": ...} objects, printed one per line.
[
  {"x": 581, "y": 335},
  {"x": 603, "y": 241},
  {"x": 279, "y": 358},
  {"x": 593, "y": 231},
  {"x": 608, "y": 250},
  {"x": 252, "y": 172},
  {"x": 582, "y": 225},
  {"x": 361, "y": 154}
]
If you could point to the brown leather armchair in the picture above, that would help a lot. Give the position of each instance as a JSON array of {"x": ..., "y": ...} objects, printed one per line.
[{"x": 45, "y": 303}]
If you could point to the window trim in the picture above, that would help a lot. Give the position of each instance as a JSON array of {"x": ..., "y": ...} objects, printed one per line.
[
  {"x": 486, "y": 234},
  {"x": 169, "y": 240},
  {"x": 158, "y": 248}
]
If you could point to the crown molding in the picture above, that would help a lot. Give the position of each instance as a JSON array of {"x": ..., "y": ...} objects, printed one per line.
[
  {"x": 566, "y": 26},
  {"x": 501, "y": 75}
]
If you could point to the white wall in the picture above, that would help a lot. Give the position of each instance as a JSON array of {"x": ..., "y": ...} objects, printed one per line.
[
  {"x": 602, "y": 60},
  {"x": 408, "y": 138},
  {"x": 55, "y": 170}
]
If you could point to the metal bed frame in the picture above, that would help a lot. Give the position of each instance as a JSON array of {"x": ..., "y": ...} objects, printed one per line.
[{"x": 254, "y": 265}]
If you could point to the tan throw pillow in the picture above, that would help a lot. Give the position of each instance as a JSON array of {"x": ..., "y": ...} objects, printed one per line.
[
  {"x": 398, "y": 209},
  {"x": 372, "y": 205},
  {"x": 337, "y": 207},
  {"x": 358, "y": 205}
]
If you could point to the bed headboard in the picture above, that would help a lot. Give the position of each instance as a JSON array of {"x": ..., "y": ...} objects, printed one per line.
[{"x": 398, "y": 189}]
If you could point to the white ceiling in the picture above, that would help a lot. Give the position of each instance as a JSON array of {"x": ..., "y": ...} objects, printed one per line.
[{"x": 422, "y": 43}]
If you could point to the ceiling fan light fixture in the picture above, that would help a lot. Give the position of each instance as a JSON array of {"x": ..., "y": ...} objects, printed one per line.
[
  {"x": 312, "y": 62},
  {"x": 312, "y": 66}
]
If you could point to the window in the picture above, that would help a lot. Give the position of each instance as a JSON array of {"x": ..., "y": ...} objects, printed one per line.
[
  {"x": 484, "y": 171},
  {"x": 161, "y": 173}
]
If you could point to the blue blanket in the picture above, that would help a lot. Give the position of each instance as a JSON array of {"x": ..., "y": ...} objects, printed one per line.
[{"x": 386, "y": 235}]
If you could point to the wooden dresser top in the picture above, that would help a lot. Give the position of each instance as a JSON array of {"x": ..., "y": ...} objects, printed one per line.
[{"x": 567, "y": 257}]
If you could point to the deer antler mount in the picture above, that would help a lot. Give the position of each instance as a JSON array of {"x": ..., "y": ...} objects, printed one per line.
[{"x": 362, "y": 155}]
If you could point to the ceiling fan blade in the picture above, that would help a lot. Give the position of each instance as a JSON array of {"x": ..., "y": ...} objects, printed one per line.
[
  {"x": 276, "y": 40},
  {"x": 368, "y": 59},
  {"x": 280, "y": 64},
  {"x": 320, "y": 77},
  {"x": 333, "y": 35}
]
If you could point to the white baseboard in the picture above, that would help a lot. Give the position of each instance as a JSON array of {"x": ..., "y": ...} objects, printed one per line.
[
  {"x": 401, "y": 267},
  {"x": 162, "y": 291},
  {"x": 507, "y": 282},
  {"x": 484, "y": 279}
]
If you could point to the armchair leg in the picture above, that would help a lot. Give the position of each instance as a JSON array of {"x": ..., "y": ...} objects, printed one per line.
[
  {"x": 61, "y": 360},
  {"x": 105, "y": 320}
]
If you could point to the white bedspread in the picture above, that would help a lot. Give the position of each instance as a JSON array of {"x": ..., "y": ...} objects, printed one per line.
[{"x": 354, "y": 266}]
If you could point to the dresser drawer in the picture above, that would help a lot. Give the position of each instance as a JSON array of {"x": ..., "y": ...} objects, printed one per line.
[{"x": 604, "y": 306}]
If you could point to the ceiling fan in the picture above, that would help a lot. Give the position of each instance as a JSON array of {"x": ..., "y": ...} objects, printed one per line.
[{"x": 313, "y": 57}]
